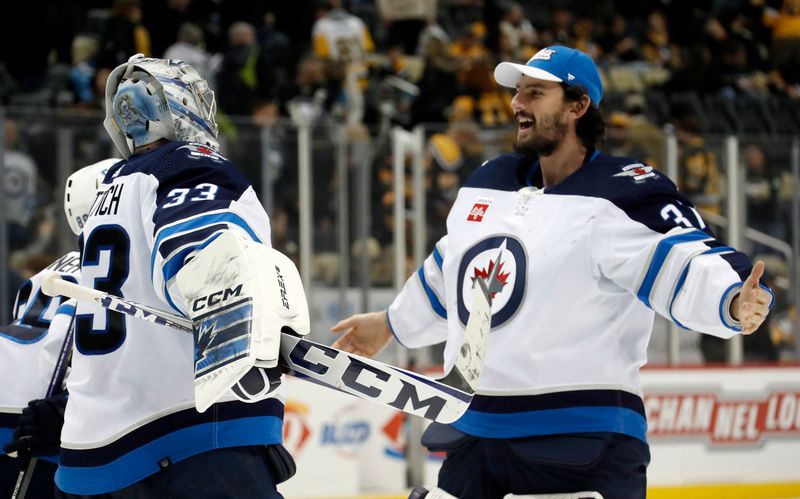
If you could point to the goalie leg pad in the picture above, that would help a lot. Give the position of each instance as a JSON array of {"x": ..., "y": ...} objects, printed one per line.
[{"x": 240, "y": 294}]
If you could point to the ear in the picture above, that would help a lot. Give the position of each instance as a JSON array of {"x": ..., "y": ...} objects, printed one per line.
[{"x": 579, "y": 107}]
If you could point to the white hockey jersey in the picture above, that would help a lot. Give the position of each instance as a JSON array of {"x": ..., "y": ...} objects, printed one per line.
[
  {"x": 131, "y": 408},
  {"x": 581, "y": 268},
  {"x": 29, "y": 346}
]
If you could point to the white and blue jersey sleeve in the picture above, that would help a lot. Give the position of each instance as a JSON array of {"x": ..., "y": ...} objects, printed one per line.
[
  {"x": 659, "y": 248},
  {"x": 40, "y": 325},
  {"x": 193, "y": 205},
  {"x": 418, "y": 315},
  {"x": 33, "y": 308}
]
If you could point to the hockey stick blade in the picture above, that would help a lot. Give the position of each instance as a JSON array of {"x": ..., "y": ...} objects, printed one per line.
[
  {"x": 413, "y": 393},
  {"x": 469, "y": 363}
]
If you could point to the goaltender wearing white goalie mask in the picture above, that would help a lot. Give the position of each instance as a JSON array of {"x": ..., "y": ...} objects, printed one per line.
[{"x": 176, "y": 226}]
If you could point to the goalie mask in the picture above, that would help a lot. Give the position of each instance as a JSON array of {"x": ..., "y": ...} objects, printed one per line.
[
  {"x": 81, "y": 190},
  {"x": 150, "y": 99}
]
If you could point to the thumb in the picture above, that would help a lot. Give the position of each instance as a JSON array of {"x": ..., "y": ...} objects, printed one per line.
[{"x": 755, "y": 275}]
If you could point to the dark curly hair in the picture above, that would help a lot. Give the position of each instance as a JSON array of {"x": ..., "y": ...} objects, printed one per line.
[{"x": 590, "y": 128}]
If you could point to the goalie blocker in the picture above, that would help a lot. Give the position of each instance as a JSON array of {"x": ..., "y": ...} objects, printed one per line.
[{"x": 240, "y": 295}]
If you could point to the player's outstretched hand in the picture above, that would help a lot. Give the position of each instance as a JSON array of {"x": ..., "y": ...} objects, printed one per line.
[
  {"x": 363, "y": 334},
  {"x": 751, "y": 306}
]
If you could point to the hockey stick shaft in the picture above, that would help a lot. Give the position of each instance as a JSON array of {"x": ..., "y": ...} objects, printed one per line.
[
  {"x": 359, "y": 376},
  {"x": 56, "y": 382}
]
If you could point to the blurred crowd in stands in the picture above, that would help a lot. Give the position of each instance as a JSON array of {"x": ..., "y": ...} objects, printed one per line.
[
  {"x": 337, "y": 54},
  {"x": 703, "y": 67}
]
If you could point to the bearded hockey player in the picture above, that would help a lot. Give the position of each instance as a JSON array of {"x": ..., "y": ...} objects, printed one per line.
[{"x": 586, "y": 248}]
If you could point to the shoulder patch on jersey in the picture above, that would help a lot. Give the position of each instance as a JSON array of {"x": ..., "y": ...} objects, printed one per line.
[
  {"x": 638, "y": 171},
  {"x": 199, "y": 151},
  {"x": 479, "y": 209}
]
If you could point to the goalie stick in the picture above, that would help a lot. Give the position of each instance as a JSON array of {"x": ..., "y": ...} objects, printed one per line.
[{"x": 443, "y": 400}]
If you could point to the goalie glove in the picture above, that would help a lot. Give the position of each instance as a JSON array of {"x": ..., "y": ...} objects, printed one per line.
[
  {"x": 38, "y": 431},
  {"x": 240, "y": 294}
]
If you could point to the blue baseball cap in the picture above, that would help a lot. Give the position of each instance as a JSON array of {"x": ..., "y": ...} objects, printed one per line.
[{"x": 555, "y": 63}]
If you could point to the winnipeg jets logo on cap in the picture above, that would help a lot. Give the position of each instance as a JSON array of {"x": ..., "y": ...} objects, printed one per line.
[
  {"x": 570, "y": 77},
  {"x": 479, "y": 209},
  {"x": 543, "y": 55},
  {"x": 638, "y": 171}
]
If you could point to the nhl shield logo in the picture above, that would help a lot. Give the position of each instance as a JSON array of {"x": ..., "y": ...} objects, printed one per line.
[{"x": 501, "y": 260}]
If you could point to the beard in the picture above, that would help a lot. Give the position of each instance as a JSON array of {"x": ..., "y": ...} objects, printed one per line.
[{"x": 548, "y": 133}]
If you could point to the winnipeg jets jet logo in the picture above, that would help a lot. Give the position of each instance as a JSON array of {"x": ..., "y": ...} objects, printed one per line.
[{"x": 502, "y": 262}]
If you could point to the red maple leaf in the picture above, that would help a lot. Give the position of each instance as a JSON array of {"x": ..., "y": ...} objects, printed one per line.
[{"x": 502, "y": 277}]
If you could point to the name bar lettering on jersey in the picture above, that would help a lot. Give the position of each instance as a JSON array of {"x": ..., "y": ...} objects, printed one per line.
[
  {"x": 107, "y": 202},
  {"x": 67, "y": 264}
]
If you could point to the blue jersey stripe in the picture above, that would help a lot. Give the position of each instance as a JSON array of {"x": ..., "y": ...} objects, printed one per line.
[
  {"x": 176, "y": 446},
  {"x": 733, "y": 288},
  {"x": 174, "y": 264},
  {"x": 196, "y": 223},
  {"x": 170, "y": 245},
  {"x": 554, "y": 422},
  {"x": 660, "y": 256},
  {"x": 432, "y": 298},
  {"x": 223, "y": 411},
  {"x": 438, "y": 257}
]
